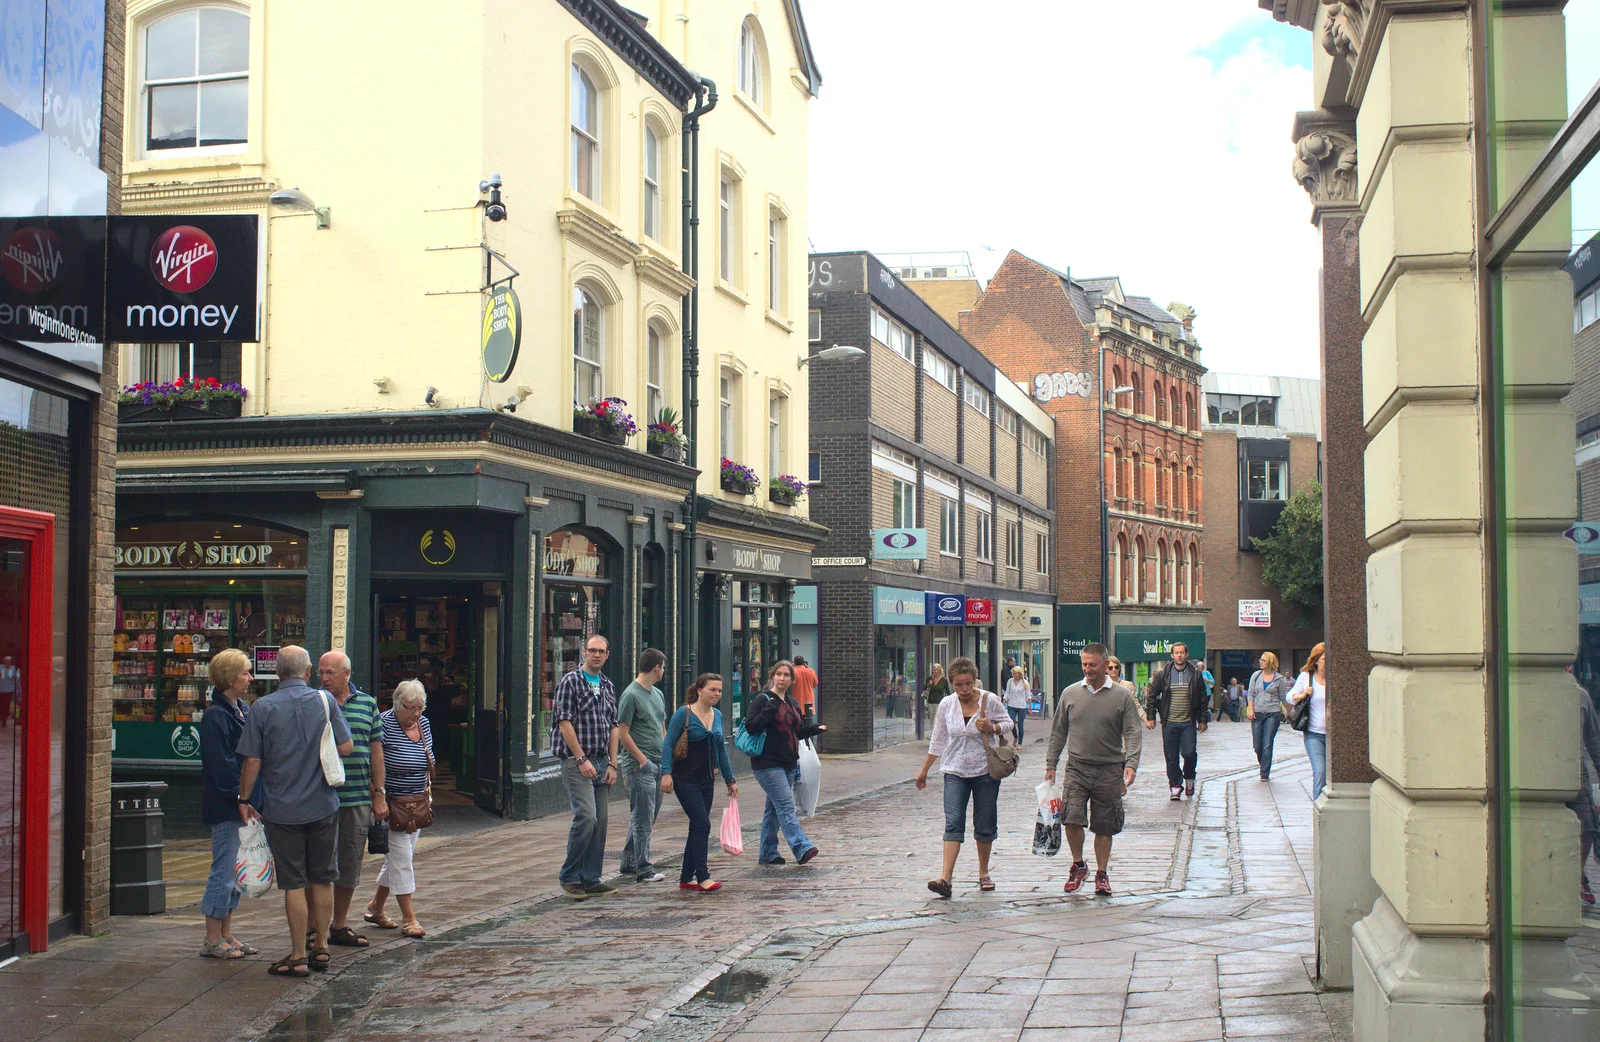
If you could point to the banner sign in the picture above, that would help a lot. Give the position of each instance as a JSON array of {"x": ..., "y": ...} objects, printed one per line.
[
  {"x": 264, "y": 661},
  {"x": 1077, "y": 626},
  {"x": 1255, "y": 614},
  {"x": 52, "y": 279},
  {"x": 900, "y": 544},
  {"x": 896, "y": 607},
  {"x": 190, "y": 277},
  {"x": 946, "y": 609}
]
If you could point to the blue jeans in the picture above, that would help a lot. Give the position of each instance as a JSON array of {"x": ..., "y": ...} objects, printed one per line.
[
  {"x": 586, "y": 842},
  {"x": 984, "y": 792},
  {"x": 778, "y": 784},
  {"x": 695, "y": 798},
  {"x": 1263, "y": 732},
  {"x": 1317, "y": 749},
  {"x": 220, "y": 898},
  {"x": 1018, "y": 717},
  {"x": 644, "y": 803},
  {"x": 1180, "y": 741}
]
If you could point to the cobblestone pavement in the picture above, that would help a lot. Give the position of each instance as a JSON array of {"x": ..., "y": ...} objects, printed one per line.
[{"x": 1209, "y": 934}]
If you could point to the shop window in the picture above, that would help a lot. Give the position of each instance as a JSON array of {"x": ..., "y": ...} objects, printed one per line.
[
  {"x": 577, "y": 593},
  {"x": 196, "y": 82}
]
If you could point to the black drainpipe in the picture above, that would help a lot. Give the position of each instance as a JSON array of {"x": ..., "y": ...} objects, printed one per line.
[{"x": 689, "y": 655}]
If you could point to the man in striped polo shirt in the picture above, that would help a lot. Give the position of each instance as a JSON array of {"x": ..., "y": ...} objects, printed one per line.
[{"x": 361, "y": 795}]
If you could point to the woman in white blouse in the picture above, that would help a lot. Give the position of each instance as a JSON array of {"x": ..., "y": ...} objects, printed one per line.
[
  {"x": 967, "y": 723},
  {"x": 1312, "y": 684}
]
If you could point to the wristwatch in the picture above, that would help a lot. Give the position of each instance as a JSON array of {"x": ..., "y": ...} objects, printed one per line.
[
  {"x": 380, "y": 792},
  {"x": 241, "y": 800}
]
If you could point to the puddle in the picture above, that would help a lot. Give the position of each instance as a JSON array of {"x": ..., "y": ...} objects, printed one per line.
[{"x": 735, "y": 987}]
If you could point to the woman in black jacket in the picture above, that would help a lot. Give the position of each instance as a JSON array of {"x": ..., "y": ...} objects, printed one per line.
[
  {"x": 777, "y": 715},
  {"x": 220, "y": 728}
]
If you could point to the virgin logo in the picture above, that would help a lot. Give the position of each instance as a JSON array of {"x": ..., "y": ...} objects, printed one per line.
[
  {"x": 31, "y": 259},
  {"x": 183, "y": 259}
]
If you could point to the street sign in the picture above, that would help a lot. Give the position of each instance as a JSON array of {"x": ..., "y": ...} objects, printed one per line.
[
  {"x": 1586, "y": 535},
  {"x": 838, "y": 562}
]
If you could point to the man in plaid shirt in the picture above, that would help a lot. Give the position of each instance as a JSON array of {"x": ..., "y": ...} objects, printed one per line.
[{"x": 585, "y": 740}]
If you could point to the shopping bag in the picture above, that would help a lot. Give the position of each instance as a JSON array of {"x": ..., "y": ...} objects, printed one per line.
[
  {"x": 1047, "y": 822},
  {"x": 810, "y": 783},
  {"x": 252, "y": 871},
  {"x": 378, "y": 837},
  {"x": 332, "y": 765},
  {"x": 732, "y": 839}
]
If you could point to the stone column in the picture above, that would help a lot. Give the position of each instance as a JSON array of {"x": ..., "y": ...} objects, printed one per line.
[{"x": 1325, "y": 165}]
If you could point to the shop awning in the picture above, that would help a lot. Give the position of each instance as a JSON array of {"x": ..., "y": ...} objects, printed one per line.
[{"x": 1152, "y": 643}]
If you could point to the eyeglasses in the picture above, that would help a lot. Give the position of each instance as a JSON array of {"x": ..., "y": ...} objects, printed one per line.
[{"x": 597, "y": 651}]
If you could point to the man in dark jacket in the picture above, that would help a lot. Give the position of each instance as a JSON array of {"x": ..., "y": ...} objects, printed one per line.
[{"x": 1177, "y": 694}]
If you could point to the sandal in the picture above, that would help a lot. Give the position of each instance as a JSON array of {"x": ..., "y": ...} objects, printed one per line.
[
  {"x": 413, "y": 929},
  {"x": 380, "y": 920},
  {"x": 985, "y": 884},
  {"x": 289, "y": 966},
  {"x": 321, "y": 959},
  {"x": 240, "y": 947},
  {"x": 344, "y": 937},
  {"x": 219, "y": 950},
  {"x": 940, "y": 887}
]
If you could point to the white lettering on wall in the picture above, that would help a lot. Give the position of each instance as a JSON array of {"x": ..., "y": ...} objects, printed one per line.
[{"x": 1050, "y": 386}]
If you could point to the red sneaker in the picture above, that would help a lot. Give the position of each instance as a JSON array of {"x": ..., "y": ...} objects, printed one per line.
[
  {"x": 1075, "y": 877},
  {"x": 688, "y": 886},
  {"x": 1188, "y": 789},
  {"x": 1102, "y": 884},
  {"x": 1588, "y": 895}
]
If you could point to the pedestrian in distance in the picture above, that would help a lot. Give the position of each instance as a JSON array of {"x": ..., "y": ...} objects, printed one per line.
[
  {"x": 282, "y": 745},
  {"x": 776, "y": 713},
  {"x": 361, "y": 797},
  {"x": 1588, "y": 772},
  {"x": 1312, "y": 684},
  {"x": 1097, "y": 723},
  {"x": 585, "y": 741},
  {"x": 691, "y": 754},
  {"x": 641, "y": 721},
  {"x": 1018, "y": 694},
  {"x": 408, "y": 772},
  {"x": 967, "y": 723},
  {"x": 220, "y": 728},
  {"x": 1268, "y": 689},
  {"x": 938, "y": 687},
  {"x": 1238, "y": 698},
  {"x": 805, "y": 687},
  {"x": 1178, "y": 697}
]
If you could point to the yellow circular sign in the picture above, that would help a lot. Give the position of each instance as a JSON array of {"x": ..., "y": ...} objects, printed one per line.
[
  {"x": 502, "y": 333},
  {"x": 430, "y": 552}
]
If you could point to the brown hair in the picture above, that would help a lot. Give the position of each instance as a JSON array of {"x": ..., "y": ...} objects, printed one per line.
[
  {"x": 1316, "y": 656},
  {"x": 691, "y": 696},
  {"x": 962, "y": 667},
  {"x": 226, "y": 666},
  {"x": 782, "y": 663}
]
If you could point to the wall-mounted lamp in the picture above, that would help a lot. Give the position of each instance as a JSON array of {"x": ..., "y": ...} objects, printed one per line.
[
  {"x": 836, "y": 353},
  {"x": 522, "y": 392},
  {"x": 431, "y": 398},
  {"x": 296, "y": 201},
  {"x": 382, "y": 384}
]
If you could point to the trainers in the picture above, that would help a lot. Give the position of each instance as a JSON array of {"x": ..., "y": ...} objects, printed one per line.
[
  {"x": 600, "y": 888},
  {"x": 1188, "y": 789},
  {"x": 1102, "y": 884},
  {"x": 651, "y": 877},
  {"x": 574, "y": 891},
  {"x": 1588, "y": 895},
  {"x": 1076, "y": 876},
  {"x": 1177, "y": 792},
  {"x": 775, "y": 861}
]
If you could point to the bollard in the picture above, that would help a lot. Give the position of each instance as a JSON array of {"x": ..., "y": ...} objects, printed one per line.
[{"x": 137, "y": 886}]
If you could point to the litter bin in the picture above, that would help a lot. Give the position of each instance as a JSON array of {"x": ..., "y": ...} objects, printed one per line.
[{"x": 137, "y": 887}]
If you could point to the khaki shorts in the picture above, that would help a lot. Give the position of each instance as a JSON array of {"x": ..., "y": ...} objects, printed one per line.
[
  {"x": 1093, "y": 797},
  {"x": 353, "y": 825}
]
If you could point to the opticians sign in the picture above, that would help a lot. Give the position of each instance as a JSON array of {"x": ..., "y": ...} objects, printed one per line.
[
  {"x": 946, "y": 609},
  {"x": 900, "y": 544},
  {"x": 892, "y": 606}
]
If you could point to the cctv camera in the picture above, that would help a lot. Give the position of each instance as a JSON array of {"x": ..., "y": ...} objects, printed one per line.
[
  {"x": 511, "y": 404},
  {"x": 495, "y": 212},
  {"x": 494, "y": 209}
]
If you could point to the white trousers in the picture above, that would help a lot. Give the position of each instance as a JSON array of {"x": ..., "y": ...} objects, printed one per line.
[{"x": 396, "y": 873}]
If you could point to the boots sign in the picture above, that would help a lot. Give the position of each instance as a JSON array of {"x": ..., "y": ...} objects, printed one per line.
[{"x": 191, "y": 277}]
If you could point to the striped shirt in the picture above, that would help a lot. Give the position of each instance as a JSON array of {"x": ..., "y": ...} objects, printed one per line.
[
  {"x": 405, "y": 763},
  {"x": 361, "y": 716}
]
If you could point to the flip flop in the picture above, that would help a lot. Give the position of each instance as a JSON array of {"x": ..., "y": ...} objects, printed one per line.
[
  {"x": 344, "y": 937},
  {"x": 381, "y": 921},
  {"x": 985, "y": 884},
  {"x": 289, "y": 966}
]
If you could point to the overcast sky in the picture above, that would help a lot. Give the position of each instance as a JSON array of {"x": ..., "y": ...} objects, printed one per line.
[{"x": 1144, "y": 139}]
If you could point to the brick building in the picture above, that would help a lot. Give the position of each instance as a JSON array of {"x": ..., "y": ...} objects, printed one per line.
[
  {"x": 1263, "y": 443},
  {"x": 923, "y": 434},
  {"x": 1070, "y": 342}
]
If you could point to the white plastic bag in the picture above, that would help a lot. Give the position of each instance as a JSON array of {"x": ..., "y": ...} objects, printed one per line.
[
  {"x": 332, "y": 765},
  {"x": 1047, "y": 823},
  {"x": 252, "y": 871},
  {"x": 807, "y": 789}
]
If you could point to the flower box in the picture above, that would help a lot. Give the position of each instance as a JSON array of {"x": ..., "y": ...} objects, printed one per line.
[
  {"x": 667, "y": 450},
  {"x": 592, "y": 428},
  {"x": 215, "y": 409},
  {"x": 783, "y": 497},
  {"x": 737, "y": 485},
  {"x": 785, "y": 490}
]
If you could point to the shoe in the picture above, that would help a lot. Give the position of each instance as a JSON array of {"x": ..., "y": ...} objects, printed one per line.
[
  {"x": 651, "y": 877},
  {"x": 1588, "y": 895},
  {"x": 574, "y": 891},
  {"x": 1076, "y": 876},
  {"x": 709, "y": 885},
  {"x": 600, "y": 888},
  {"x": 688, "y": 886},
  {"x": 775, "y": 861},
  {"x": 1177, "y": 793},
  {"x": 807, "y": 856},
  {"x": 1188, "y": 789},
  {"x": 1102, "y": 884}
]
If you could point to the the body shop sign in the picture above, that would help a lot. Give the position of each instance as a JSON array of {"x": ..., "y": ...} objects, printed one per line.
[{"x": 194, "y": 277}]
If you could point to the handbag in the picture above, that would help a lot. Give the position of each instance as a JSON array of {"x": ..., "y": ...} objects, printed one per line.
[
  {"x": 378, "y": 837},
  {"x": 1299, "y": 713},
  {"x": 680, "y": 748},
  {"x": 413, "y": 812},
  {"x": 1003, "y": 758},
  {"x": 332, "y": 765}
]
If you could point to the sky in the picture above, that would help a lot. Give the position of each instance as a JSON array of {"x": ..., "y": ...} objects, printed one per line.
[{"x": 1145, "y": 139}]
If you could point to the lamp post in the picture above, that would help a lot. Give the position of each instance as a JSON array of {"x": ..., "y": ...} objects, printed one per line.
[
  {"x": 1105, "y": 506},
  {"x": 836, "y": 353}
]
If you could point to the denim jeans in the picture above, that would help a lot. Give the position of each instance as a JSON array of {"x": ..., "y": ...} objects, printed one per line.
[
  {"x": 1018, "y": 718},
  {"x": 586, "y": 842},
  {"x": 984, "y": 792},
  {"x": 695, "y": 798},
  {"x": 644, "y": 803},
  {"x": 1317, "y": 750},
  {"x": 1180, "y": 740},
  {"x": 780, "y": 813},
  {"x": 220, "y": 898},
  {"x": 1263, "y": 732}
]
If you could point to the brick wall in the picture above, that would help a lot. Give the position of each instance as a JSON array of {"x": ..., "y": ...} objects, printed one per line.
[
  {"x": 1005, "y": 460},
  {"x": 894, "y": 391},
  {"x": 1035, "y": 478},
  {"x": 939, "y": 411},
  {"x": 978, "y": 450},
  {"x": 845, "y": 662},
  {"x": 883, "y": 515}
]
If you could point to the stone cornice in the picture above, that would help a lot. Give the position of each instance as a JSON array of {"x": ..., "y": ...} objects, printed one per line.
[
  {"x": 1296, "y": 12},
  {"x": 662, "y": 274},
  {"x": 230, "y": 194},
  {"x": 1325, "y": 160},
  {"x": 619, "y": 30},
  {"x": 1351, "y": 30},
  {"x": 602, "y": 238}
]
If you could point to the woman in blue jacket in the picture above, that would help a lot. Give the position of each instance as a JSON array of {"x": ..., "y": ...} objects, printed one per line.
[
  {"x": 220, "y": 729},
  {"x": 687, "y": 773}
]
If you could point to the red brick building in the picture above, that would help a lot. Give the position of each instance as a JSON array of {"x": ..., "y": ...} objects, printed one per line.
[{"x": 1070, "y": 342}]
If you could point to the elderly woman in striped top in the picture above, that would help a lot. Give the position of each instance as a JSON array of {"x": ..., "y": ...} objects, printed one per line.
[{"x": 408, "y": 771}]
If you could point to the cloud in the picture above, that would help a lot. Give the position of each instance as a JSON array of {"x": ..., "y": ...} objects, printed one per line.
[{"x": 1148, "y": 140}]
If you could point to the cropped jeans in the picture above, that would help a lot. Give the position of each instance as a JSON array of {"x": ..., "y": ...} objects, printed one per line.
[
  {"x": 220, "y": 898},
  {"x": 984, "y": 794}
]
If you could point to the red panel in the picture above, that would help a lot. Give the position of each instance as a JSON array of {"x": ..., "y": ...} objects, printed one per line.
[{"x": 38, "y": 530}]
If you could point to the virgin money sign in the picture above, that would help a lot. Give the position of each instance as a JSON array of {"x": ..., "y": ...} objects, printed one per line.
[
  {"x": 51, "y": 279},
  {"x": 188, "y": 277}
]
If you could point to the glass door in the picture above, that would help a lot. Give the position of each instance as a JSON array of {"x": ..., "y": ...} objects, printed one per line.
[
  {"x": 13, "y": 646},
  {"x": 489, "y": 793}
]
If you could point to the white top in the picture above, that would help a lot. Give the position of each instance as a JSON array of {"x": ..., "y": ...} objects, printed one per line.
[
  {"x": 1319, "y": 702},
  {"x": 1018, "y": 694},
  {"x": 962, "y": 749}
]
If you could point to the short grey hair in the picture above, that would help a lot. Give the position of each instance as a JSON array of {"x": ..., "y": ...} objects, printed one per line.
[
  {"x": 411, "y": 694},
  {"x": 294, "y": 662},
  {"x": 341, "y": 658}
]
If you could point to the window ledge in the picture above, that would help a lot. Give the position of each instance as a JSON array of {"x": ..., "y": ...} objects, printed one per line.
[
  {"x": 785, "y": 324},
  {"x": 754, "y": 110},
  {"x": 730, "y": 290},
  {"x": 192, "y": 158}
]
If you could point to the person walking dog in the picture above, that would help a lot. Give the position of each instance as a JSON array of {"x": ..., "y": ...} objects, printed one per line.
[{"x": 1178, "y": 697}]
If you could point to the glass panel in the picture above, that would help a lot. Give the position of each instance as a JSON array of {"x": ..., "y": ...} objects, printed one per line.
[
  {"x": 172, "y": 116},
  {"x": 13, "y": 639},
  {"x": 224, "y": 41},
  {"x": 224, "y": 112},
  {"x": 895, "y": 687},
  {"x": 169, "y": 47}
]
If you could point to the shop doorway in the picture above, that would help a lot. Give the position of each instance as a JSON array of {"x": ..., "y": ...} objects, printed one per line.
[
  {"x": 13, "y": 642},
  {"x": 448, "y": 636}
]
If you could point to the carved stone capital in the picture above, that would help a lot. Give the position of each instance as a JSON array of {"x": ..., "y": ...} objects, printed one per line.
[
  {"x": 1325, "y": 159},
  {"x": 1343, "y": 26}
]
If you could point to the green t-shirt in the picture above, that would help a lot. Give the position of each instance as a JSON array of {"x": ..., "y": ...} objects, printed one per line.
[
  {"x": 361, "y": 716},
  {"x": 644, "y": 710}
]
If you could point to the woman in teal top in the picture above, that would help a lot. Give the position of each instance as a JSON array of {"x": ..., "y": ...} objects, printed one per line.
[{"x": 687, "y": 773}]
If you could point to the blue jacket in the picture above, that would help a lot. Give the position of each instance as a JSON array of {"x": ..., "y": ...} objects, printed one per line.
[
  {"x": 697, "y": 733},
  {"x": 220, "y": 728}
]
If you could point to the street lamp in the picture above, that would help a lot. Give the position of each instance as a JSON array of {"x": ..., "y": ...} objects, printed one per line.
[
  {"x": 296, "y": 201},
  {"x": 836, "y": 353},
  {"x": 1105, "y": 509}
]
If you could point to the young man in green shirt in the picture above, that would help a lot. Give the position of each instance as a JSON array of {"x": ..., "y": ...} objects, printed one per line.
[{"x": 641, "y": 724}]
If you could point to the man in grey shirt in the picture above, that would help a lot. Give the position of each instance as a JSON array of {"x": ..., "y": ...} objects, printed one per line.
[{"x": 282, "y": 743}]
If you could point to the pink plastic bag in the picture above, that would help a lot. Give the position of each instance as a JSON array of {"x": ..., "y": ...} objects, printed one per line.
[{"x": 732, "y": 840}]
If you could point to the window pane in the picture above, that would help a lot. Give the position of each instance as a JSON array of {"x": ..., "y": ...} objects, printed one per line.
[
  {"x": 1266, "y": 412},
  {"x": 584, "y": 108},
  {"x": 1213, "y": 411},
  {"x": 224, "y": 41},
  {"x": 1247, "y": 412},
  {"x": 169, "y": 47},
  {"x": 1590, "y": 302},
  {"x": 224, "y": 112},
  {"x": 172, "y": 116}
]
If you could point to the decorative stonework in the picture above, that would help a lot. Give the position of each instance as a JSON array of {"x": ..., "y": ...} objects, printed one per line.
[
  {"x": 1342, "y": 28},
  {"x": 661, "y": 273},
  {"x": 600, "y": 236},
  {"x": 1325, "y": 158},
  {"x": 340, "y": 595}
]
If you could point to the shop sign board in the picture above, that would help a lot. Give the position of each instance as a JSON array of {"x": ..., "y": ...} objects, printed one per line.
[
  {"x": 900, "y": 544},
  {"x": 892, "y": 606},
  {"x": 439, "y": 543},
  {"x": 1586, "y": 535},
  {"x": 179, "y": 546},
  {"x": 728, "y": 555},
  {"x": 264, "y": 662},
  {"x": 1023, "y": 620},
  {"x": 183, "y": 277},
  {"x": 1151, "y": 643},
  {"x": 52, "y": 279},
  {"x": 1077, "y": 626},
  {"x": 502, "y": 333},
  {"x": 803, "y": 607},
  {"x": 980, "y": 611},
  {"x": 1255, "y": 614},
  {"x": 946, "y": 609},
  {"x": 1589, "y": 604}
]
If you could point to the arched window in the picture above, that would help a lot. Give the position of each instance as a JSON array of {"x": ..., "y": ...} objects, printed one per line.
[
  {"x": 1114, "y": 569},
  {"x": 1138, "y": 481},
  {"x": 196, "y": 79},
  {"x": 752, "y": 63},
  {"x": 1181, "y": 570},
  {"x": 1177, "y": 490},
  {"x": 1125, "y": 570},
  {"x": 1163, "y": 577},
  {"x": 1196, "y": 594},
  {"x": 1137, "y": 382},
  {"x": 1194, "y": 490},
  {"x": 652, "y": 183},
  {"x": 1161, "y": 401},
  {"x": 1141, "y": 574},
  {"x": 588, "y": 346},
  {"x": 1116, "y": 381},
  {"x": 1191, "y": 422},
  {"x": 586, "y": 159},
  {"x": 1161, "y": 482},
  {"x": 1116, "y": 473}
]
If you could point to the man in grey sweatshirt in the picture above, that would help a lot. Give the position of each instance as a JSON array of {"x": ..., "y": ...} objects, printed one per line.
[{"x": 1097, "y": 722}]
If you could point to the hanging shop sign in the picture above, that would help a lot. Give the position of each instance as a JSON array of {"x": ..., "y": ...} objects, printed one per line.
[
  {"x": 1077, "y": 626},
  {"x": 189, "y": 277},
  {"x": 900, "y": 544},
  {"x": 892, "y": 606},
  {"x": 946, "y": 609},
  {"x": 1019, "y": 619},
  {"x": 980, "y": 611},
  {"x": 264, "y": 662},
  {"x": 1586, "y": 535},
  {"x": 502, "y": 333},
  {"x": 52, "y": 280},
  {"x": 1255, "y": 614}
]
